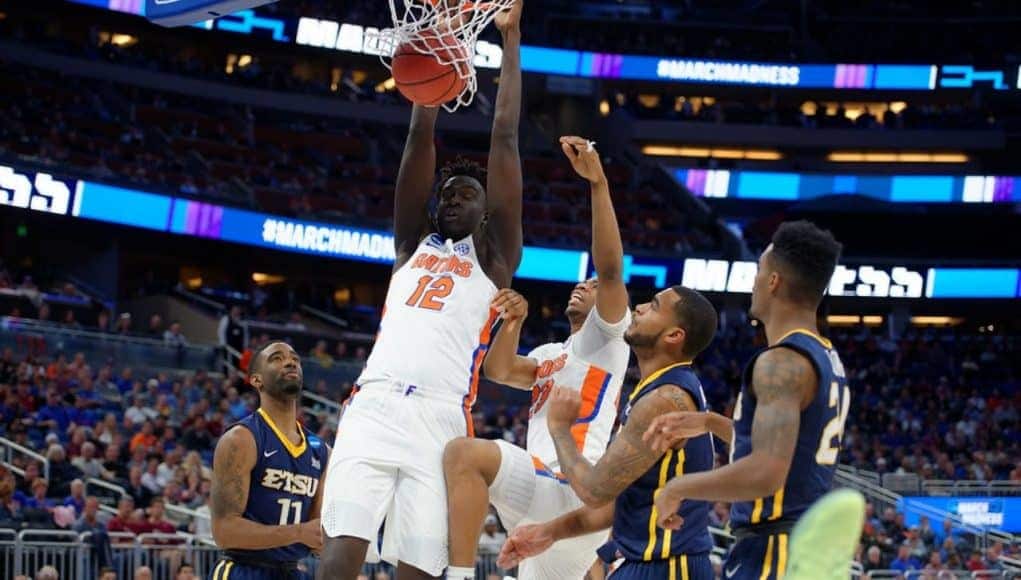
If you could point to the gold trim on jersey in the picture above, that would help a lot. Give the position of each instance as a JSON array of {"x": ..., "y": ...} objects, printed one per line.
[
  {"x": 294, "y": 450},
  {"x": 781, "y": 558},
  {"x": 664, "y": 468},
  {"x": 825, "y": 342},
  {"x": 760, "y": 504},
  {"x": 767, "y": 564},
  {"x": 644, "y": 382},
  {"x": 668, "y": 534}
]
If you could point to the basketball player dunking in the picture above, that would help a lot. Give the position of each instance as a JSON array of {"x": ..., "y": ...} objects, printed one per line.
[
  {"x": 666, "y": 335},
  {"x": 266, "y": 470},
  {"x": 788, "y": 420},
  {"x": 419, "y": 383},
  {"x": 524, "y": 485}
]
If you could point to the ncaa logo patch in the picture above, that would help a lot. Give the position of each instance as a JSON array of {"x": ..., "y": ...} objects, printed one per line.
[{"x": 462, "y": 249}]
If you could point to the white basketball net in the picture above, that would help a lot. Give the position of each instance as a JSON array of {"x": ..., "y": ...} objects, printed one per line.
[{"x": 447, "y": 30}]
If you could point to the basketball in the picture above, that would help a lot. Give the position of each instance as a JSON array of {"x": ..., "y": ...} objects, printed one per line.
[{"x": 426, "y": 71}]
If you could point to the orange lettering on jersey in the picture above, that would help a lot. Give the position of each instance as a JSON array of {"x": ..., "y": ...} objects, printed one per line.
[
  {"x": 551, "y": 366},
  {"x": 448, "y": 265},
  {"x": 539, "y": 396}
]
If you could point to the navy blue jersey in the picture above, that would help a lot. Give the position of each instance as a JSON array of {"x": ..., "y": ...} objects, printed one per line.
[
  {"x": 284, "y": 482},
  {"x": 819, "y": 435},
  {"x": 634, "y": 519}
]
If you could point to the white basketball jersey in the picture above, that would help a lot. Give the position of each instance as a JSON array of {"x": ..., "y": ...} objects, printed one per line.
[
  {"x": 592, "y": 361},
  {"x": 437, "y": 322}
]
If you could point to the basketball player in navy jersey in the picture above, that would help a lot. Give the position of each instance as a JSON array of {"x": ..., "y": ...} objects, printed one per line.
[
  {"x": 619, "y": 491},
  {"x": 266, "y": 478},
  {"x": 788, "y": 420}
]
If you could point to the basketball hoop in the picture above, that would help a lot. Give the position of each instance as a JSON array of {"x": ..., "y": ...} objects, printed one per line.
[{"x": 445, "y": 29}]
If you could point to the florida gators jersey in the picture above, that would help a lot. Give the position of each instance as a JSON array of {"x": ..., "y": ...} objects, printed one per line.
[
  {"x": 437, "y": 322},
  {"x": 634, "y": 518},
  {"x": 593, "y": 361},
  {"x": 284, "y": 482},
  {"x": 819, "y": 435}
]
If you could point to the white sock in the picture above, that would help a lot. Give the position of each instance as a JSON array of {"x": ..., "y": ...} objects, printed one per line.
[{"x": 455, "y": 573}]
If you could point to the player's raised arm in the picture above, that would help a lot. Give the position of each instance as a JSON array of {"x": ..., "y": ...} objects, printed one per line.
[
  {"x": 781, "y": 380},
  {"x": 232, "y": 471},
  {"x": 414, "y": 183},
  {"x": 628, "y": 456},
  {"x": 607, "y": 248},
  {"x": 504, "y": 181},
  {"x": 503, "y": 364}
]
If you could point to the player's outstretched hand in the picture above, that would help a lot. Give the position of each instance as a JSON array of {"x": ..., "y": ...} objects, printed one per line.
[
  {"x": 512, "y": 306},
  {"x": 564, "y": 406},
  {"x": 524, "y": 542},
  {"x": 666, "y": 431},
  {"x": 510, "y": 19},
  {"x": 310, "y": 533},
  {"x": 584, "y": 158}
]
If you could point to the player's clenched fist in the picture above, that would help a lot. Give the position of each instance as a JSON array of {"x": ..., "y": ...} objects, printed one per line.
[
  {"x": 512, "y": 306},
  {"x": 564, "y": 406}
]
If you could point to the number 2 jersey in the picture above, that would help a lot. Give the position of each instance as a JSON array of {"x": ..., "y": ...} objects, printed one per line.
[
  {"x": 437, "y": 322},
  {"x": 819, "y": 434},
  {"x": 593, "y": 361},
  {"x": 284, "y": 482}
]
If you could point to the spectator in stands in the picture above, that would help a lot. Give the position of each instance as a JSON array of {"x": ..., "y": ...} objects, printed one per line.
[
  {"x": 43, "y": 313},
  {"x": 123, "y": 325},
  {"x": 917, "y": 547},
  {"x": 138, "y": 412},
  {"x": 231, "y": 332},
  {"x": 32, "y": 472},
  {"x": 144, "y": 439},
  {"x": 143, "y": 573},
  {"x": 174, "y": 337},
  {"x": 935, "y": 563},
  {"x": 151, "y": 478},
  {"x": 198, "y": 437},
  {"x": 103, "y": 321},
  {"x": 11, "y": 516},
  {"x": 193, "y": 464},
  {"x": 113, "y": 467},
  {"x": 119, "y": 522},
  {"x": 873, "y": 559},
  {"x": 136, "y": 489},
  {"x": 107, "y": 574},
  {"x": 47, "y": 573},
  {"x": 39, "y": 499},
  {"x": 155, "y": 328},
  {"x": 236, "y": 406},
  {"x": 186, "y": 572},
  {"x": 157, "y": 519},
  {"x": 69, "y": 320},
  {"x": 76, "y": 499},
  {"x": 55, "y": 414},
  {"x": 321, "y": 355},
  {"x": 62, "y": 473},
  {"x": 905, "y": 562},
  {"x": 492, "y": 539},
  {"x": 89, "y": 520},
  {"x": 925, "y": 531}
]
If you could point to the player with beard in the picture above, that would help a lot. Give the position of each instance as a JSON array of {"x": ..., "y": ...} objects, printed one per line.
[
  {"x": 620, "y": 489},
  {"x": 266, "y": 494}
]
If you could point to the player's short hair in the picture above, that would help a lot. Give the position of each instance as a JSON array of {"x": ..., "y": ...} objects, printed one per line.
[
  {"x": 254, "y": 364},
  {"x": 697, "y": 316},
  {"x": 463, "y": 166},
  {"x": 808, "y": 255}
]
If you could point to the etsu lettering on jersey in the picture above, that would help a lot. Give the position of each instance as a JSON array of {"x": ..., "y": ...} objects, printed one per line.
[
  {"x": 281, "y": 480},
  {"x": 443, "y": 265}
]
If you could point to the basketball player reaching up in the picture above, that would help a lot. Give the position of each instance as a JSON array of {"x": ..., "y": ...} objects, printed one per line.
[
  {"x": 419, "y": 383},
  {"x": 524, "y": 485},
  {"x": 266, "y": 470},
  {"x": 619, "y": 490},
  {"x": 789, "y": 417}
]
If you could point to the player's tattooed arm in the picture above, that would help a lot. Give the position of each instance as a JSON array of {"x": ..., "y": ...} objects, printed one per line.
[
  {"x": 782, "y": 381},
  {"x": 233, "y": 461},
  {"x": 628, "y": 456}
]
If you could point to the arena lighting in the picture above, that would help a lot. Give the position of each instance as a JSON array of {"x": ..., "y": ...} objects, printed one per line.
[
  {"x": 936, "y": 320},
  {"x": 853, "y": 320},
  {"x": 702, "y": 152},
  {"x": 895, "y": 157},
  {"x": 261, "y": 278}
]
